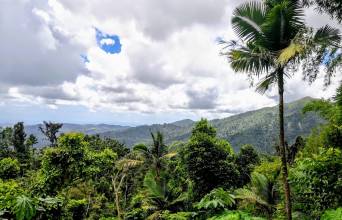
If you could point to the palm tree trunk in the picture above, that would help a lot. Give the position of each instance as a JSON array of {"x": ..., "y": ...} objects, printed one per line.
[{"x": 282, "y": 144}]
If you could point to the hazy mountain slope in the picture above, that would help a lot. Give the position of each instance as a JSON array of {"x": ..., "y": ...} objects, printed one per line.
[{"x": 259, "y": 128}]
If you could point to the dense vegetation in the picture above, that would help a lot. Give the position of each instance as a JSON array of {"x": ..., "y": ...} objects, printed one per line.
[
  {"x": 86, "y": 177},
  {"x": 80, "y": 176}
]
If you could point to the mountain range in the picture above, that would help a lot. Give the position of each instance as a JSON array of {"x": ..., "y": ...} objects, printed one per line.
[{"x": 259, "y": 128}]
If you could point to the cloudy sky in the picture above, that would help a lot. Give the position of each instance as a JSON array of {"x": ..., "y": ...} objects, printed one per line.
[{"x": 125, "y": 62}]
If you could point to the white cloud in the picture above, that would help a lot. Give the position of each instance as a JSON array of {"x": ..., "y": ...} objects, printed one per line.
[
  {"x": 169, "y": 60},
  {"x": 107, "y": 41}
]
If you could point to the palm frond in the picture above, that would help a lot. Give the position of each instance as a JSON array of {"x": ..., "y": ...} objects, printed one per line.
[
  {"x": 154, "y": 190},
  {"x": 266, "y": 82},
  {"x": 328, "y": 36},
  {"x": 128, "y": 163},
  {"x": 250, "y": 60},
  {"x": 247, "y": 20},
  {"x": 283, "y": 21},
  {"x": 169, "y": 155},
  {"x": 250, "y": 197}
]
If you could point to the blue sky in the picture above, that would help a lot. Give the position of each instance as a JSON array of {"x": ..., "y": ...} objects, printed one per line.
[{"x": 108, "y": 43}]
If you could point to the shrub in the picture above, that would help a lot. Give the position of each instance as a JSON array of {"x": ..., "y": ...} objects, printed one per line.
[
  {"x": 332, "y": 214},
  {"x": 9, "y": 168}
]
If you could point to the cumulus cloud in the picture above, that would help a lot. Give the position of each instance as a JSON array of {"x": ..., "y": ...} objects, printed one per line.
[
  {"x": 153, "y": 56},
  {"x": 157, "y": 19},
  {"x": 33, "y": 50}
]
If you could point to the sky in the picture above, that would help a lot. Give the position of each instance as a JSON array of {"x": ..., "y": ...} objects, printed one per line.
[{"x": 127, "y": 62}]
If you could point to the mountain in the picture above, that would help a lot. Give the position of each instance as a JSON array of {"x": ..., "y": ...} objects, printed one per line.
[{"x": 259, "y": 128}]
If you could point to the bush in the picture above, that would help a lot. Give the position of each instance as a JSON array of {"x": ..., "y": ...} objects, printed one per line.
[
  {"x": 217, "y": 199},
  {"x": 9, "y": 191},
  {"x": 235, "y": 215},
  {"x": 77, "y": 208},
  {"x": 332, "y": 214},
  {"x": 316, "y": 182},
  {"x": 177, "y": 216},
  {"x": 9, "y": 168}
]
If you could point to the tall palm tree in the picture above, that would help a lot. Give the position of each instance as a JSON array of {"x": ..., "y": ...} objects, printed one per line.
[
  {"x": 271, "y": 35},
  {"x": 155, "y": 154}
]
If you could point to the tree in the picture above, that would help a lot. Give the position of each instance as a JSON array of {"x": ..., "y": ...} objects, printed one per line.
[
  {"x": 156, "y": 154},
  {"x": 273, "y": 38},
  {"x": 50, "y": 130},
  {"x": 331, "y": 110},
  {"x": 97, "y": 143},
  {"x": 9, "y": 168},
  {"x": 160, "y": 196},
  {"x": 5, "y": 141},
  {"x": 31, "y": 140},
  {"x": 246, "y": 160},
  {"x": 209, "y": 161},
  {"x": 260, "y": 192},
  {"x": 19, "y": 137},
  {"x": 122, "y": 167},
  {"x": 294, "y": 149}
]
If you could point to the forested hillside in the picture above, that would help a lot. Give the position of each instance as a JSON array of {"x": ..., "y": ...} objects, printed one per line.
[{"x": 255, "y": 127}]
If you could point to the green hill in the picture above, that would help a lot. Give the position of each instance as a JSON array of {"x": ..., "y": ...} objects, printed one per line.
[{"x": 259, "y": 128}]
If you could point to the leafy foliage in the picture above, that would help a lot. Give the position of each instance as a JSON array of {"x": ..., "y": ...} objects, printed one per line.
[
  {"x": 261, "y": 192},
  {"x": 209, "y": 162},
  {"x": 24, "y": 208},
  {"x": 217, "y": 199},
  {"x": 246, "y": 160},
  {"x": 332, "y": 214},
  {"x": 316, "y": 182},
  {"x": 235, "y": 215},
  {"x": 9, "y": 168}
]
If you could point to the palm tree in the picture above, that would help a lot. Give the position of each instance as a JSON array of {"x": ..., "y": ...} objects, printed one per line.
[
  {"x": 271, "y": 35},
  {"x": 260, "y": 192},
  {"x": 160, "y": 196},
  {"x": 155, "y": 154}
]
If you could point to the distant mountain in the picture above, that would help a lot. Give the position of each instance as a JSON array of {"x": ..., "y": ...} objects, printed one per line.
[{"x": 259, "y": 128}]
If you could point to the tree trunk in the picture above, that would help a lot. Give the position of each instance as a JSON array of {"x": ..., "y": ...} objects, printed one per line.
[
  {"x": 116, "y": 188},
  {"x": 282, "y": 145}
]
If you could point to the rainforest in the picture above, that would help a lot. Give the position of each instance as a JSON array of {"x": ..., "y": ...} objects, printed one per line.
[{"x": 264, "y": 149}]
